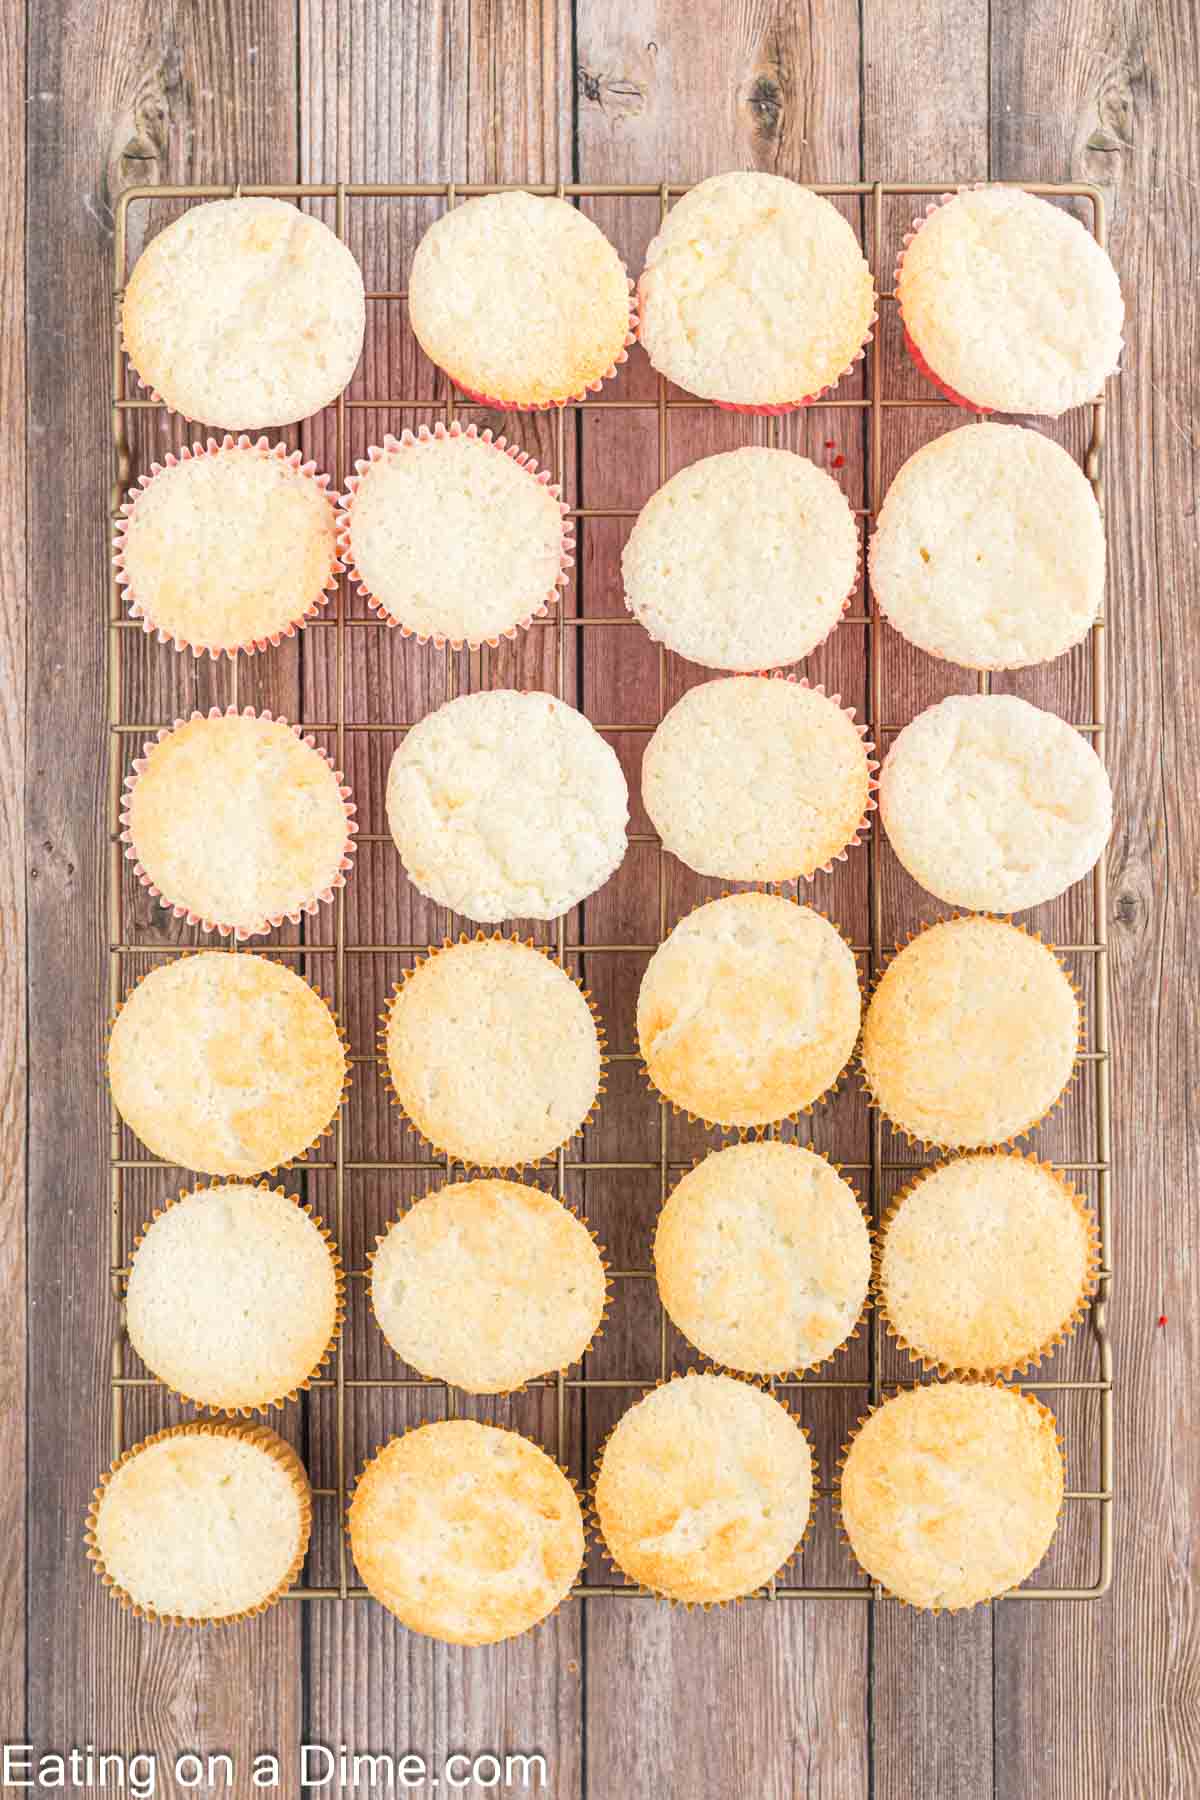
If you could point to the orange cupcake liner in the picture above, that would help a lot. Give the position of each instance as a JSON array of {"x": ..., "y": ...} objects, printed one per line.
[
  {"x": 839, "y": 1514},
  {"x": 439, "y": 1150},
  {"x": 1011, "y": 1142},
  {"x": 142, "y": 609},
  {"x": 592, "y": 1515},
  {"x": 264, "y": 1407},
  {"x": 592, "y": 387},
  {"x": 265, "y": 1439},
  {"x": 1006, "y": 1371},
  {"x": 714, "y": 1365},
  {"x": 272, "y": 920},
  {"x": 914, "y": 352},
  {"x": 524, "y": 1386},
  {"x": 409, "y": 440},
  {"x": 748, "y": 1133}
]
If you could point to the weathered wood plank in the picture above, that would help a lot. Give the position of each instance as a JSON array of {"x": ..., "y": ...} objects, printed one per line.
[
  {"x": 13, "y": 1064},
  {"x": 118, "y": 95}
]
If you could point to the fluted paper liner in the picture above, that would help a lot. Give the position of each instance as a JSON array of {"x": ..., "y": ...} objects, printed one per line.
[
  {"x": 844, "y": 1536},
  {"x": 1006, "y": 1371},
  {"x": 141, "y": 608},
  {"x": 311, "y": 903},
  {"x": 260, "y": 1435},
  {"x": 706, "y": 1606},
  {"x": 413, "y": 441},
  {"x": 437, "y": 1150},
  {"x": 275, "y": 1401}
]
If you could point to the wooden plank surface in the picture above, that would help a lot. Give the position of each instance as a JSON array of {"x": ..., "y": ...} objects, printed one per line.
[{"x": 622, "y": 1697}]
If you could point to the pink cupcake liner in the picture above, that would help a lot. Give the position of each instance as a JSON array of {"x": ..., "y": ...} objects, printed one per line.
[
  {"x": 142, "y": 609},
  {"x": 238, "y": 932},
  {"x": 871, "y": 805},
  {"x": 409, "y": 440},
  {"x": 917, "y": 356},
  {"x": 592, "y": 387}
]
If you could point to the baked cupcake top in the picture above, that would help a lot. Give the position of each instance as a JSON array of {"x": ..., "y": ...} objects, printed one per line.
[
  {"x": 989, "y": 549},
  {"x": 985, "y": 1263},
  {"x": 755, "y": 292},
  {"x": 521, "y": 300},
  {"x": 1011, "y": 302},
  {"x": 763, "y": 1257},
  {"x": 743, "y": 561},
  {"x": 991, "y": 803},
  {"x": 234, "y": 1296},
  {"x": 245, "y": 313},
  {"x": 704, "y": 1489},
  {"x": 488, "y": 1284},
  {"x": 237, "y": 821},
  {"x": 749, "y": 1010},
  {"x": 950, "y": 1494},
  {"x": 506, "y": 805},
  {"x": 971, "y": 1035},
  {"x": 227, "y": 548},
  {"x": 757, "y": 779},
  {"x": 201, "y": 1523},
  {"x": 454, "y": 535},
  {"x": 227, "y": 1064},
  {"x": 493, "y": 1052},
  {"x": 466, "y": 1532}
]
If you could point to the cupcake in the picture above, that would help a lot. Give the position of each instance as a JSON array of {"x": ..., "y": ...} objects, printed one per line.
[
  {"x": 454, "y": 535},
  {"x": 227, "y": 547},
  {"x": 748, "y": 1012},
  {"x": 1009, "y": 303},
  {"x": 989, "y": 549},
  {"x": 743, "y": 561},
  {"x": 488, "y": 1284},
  {"x": 236, "y": 821},
  {"x": 755, "y": 294},
  {"x": 493, "y": 1052},
  {"x": 704, "y": 1489},
  {"x": 522, "y": 301},
  {"x": 763, "y": 1258},
  {"x": 201, "y": 1524},
  {"x": 949, "y": 1495},
  {"x": 506, "y": 805},
  {"x": 245, "y": 313},
  {"x": 985, "y": 1264},
  {"x": 232, "y": 1065},
  {"x": 759, "y": 779},
  {"x": 235, "y": 1296},
  {"x": 993, "y": 804},
  {"x": 971, "y": 1034},
  {"x": 466, "y": 1532}
]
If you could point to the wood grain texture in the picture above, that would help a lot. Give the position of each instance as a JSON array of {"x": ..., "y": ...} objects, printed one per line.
[{"x": 13, "y": 1062}]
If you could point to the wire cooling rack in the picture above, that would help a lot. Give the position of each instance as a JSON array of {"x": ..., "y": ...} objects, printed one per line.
[{"x": 325, "y": 1427}]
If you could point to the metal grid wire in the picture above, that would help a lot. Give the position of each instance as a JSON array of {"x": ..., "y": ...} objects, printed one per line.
[{"x": 125, "y": 737}]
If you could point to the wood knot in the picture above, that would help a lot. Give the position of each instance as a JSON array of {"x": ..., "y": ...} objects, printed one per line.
[
  {"x": 1127, "y": 909},
  {"x": 765, "y": 104},
  {"x": 615, "y": 94}
]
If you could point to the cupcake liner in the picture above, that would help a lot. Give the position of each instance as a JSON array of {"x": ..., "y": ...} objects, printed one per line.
[
  {"x": 326, "y": 1131},
  {"x": 263, "y": 1407},
  {"x": 272, "y": 920},
  {"x": 1008, "y": 1143},
  {"x": 918, "y": 358},
  {"x": 889, "y": 1392},
  {"x": 143, "y": 610},
  {"x": 524, "y": 1386},
  {"x": 409, "y": 440},
  {"x": 437, "y": 1150},
  {"x": 636, "y": 1587},
  {"x": 267, "y": 1440},
  {"x": 715, "y": 1367},
  {"x": 749, "y": 1133},
  {"x": 1006, "y": 1371},
  {"x": 592, "y": 387},
  {"x": 494, "y": 1425}
]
